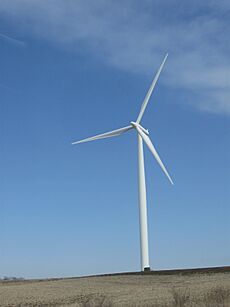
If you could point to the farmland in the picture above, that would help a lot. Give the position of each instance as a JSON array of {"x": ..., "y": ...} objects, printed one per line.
[{"x": 154, "y": 289}]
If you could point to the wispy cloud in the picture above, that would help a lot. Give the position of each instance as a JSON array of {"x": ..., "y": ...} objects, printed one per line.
[
  {"x": 134, "y": 35},
  {"x": 12, "y": 40}
]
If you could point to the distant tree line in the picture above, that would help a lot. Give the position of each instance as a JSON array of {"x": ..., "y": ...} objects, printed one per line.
[{"x": 11, "y": 278}]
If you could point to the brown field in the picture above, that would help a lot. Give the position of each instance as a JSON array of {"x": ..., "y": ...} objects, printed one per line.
[{"x": 196, "y": 289}]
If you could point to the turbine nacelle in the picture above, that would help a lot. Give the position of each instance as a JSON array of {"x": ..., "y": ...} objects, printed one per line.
[{"x": 135, "y": 125}]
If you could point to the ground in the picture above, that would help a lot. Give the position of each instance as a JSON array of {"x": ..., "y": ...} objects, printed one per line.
[{"x": 197, "y": 289}]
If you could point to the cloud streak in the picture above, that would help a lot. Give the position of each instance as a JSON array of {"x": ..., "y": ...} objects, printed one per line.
[
  {"x": 134, "y": 36},
  {"x": 12, "y": 40}
]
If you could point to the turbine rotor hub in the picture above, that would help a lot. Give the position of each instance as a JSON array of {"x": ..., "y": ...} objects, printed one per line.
[{"x": 134, "y": 124}]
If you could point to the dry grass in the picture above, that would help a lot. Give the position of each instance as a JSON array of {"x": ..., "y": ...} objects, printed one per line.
[
  {"x": 180, "y": 297},
  {"x": 197, "y": 290},
  {"x": 97, "y": 302},
  {"x": 216, "y": 297}
]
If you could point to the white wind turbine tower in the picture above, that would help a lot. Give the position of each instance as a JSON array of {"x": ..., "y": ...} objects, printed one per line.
[{"x": 142, "y": 135}]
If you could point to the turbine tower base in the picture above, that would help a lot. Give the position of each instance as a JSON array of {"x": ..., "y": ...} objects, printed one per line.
[{"x": 147, "y": 269}]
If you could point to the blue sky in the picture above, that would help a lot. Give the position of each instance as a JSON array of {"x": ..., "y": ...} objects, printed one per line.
[{"x": 72, "y": 69}]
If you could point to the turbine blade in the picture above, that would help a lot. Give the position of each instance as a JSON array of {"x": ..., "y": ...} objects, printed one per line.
[
  {"x": 105, "y": 135},
  {"x": 149, "y": 93},
  {"x": 154, "y": 152}
]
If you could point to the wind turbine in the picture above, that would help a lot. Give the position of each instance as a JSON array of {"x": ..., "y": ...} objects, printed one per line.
[{"x": 142, "y": 135}]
